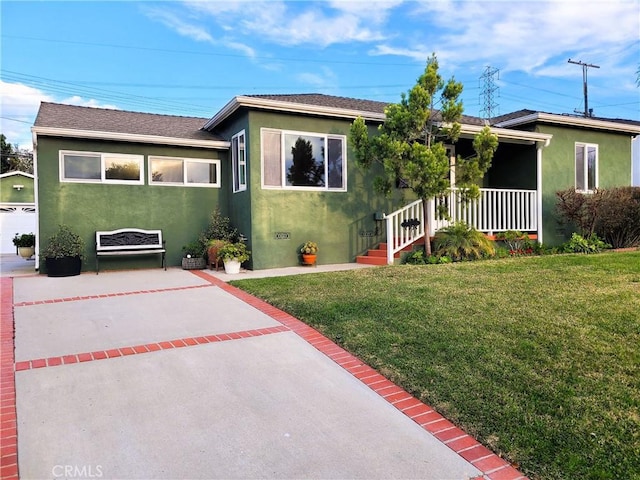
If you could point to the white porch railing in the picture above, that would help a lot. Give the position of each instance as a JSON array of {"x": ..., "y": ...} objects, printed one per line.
[
  {"x": 404, "y": 227},
  {"x": 496, "y": 210}
]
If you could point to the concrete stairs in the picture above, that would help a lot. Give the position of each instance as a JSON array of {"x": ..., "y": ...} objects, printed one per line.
[{"x": 378, "y": 256}]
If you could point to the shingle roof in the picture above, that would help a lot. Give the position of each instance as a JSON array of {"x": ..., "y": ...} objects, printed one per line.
[
  {"x": 56, "y": 115},
  {"x": 331, "y": 101},
  {"x": 345, "y": 103}
]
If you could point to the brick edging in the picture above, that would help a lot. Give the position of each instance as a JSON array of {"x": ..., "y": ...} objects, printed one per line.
[
  {"x": 9, "y": 426},
  {"x": 491, "y": 465}
]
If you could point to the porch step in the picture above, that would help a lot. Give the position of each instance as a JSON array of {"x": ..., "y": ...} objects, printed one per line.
[
  {"x": 370, "y": 260},
  {"x": 378, "y": 256}
]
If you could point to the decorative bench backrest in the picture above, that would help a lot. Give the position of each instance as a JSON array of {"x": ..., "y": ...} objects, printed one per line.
[{"x": 128, "y": 238}]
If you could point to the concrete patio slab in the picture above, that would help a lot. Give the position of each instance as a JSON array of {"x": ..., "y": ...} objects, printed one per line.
[{"x": 267, "y": 407}]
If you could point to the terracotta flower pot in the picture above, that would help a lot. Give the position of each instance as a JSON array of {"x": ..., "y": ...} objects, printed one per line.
[{"x": 309, "y": 258}]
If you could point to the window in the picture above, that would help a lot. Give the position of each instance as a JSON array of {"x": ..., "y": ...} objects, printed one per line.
[
  {"x": 297, "y": 160},
  {"x": 100, "y": 167},
  {"x": 193, "y": 172},
  {"x": 239, "y": 162},
  {"x": 586, "y": 167}
]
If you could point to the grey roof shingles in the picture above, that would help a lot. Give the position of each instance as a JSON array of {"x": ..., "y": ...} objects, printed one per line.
[
  {"x": 56, "y": 115},
  {"x": 345, "y": 103}
]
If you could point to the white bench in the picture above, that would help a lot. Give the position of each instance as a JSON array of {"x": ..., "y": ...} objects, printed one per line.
[{"x": 130, "y": 241}]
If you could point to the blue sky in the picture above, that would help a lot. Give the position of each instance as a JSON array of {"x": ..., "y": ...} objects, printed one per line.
[{"x": 190, "y": 58}]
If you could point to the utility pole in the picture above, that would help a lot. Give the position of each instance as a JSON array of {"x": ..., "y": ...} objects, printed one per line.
[
  {"x": 585, "y": 66},
  {"x": 488, "y": 89}
]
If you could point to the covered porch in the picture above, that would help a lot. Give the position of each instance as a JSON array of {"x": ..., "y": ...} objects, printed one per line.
[{"x": 499, "y": 208}]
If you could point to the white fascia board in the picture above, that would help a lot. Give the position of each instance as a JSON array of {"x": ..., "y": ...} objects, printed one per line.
[
  {"x": 571, "y": 121},
  {"x": 290, "y": 107},
  {"x": 510, "y": 136},
  {"x": 16, "y": 172},
  {"x": 129, "y": 137}
]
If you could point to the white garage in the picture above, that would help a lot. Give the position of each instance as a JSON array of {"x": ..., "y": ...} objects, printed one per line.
[{"x": 15, "y": 219}]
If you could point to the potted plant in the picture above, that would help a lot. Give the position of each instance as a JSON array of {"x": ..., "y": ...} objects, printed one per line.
[
  {"x": 26, "y": 244},
  {"x": 63, "y": 253},
  {"x": 216, "y": 234},
  {"x": 233, "y": 254},
  {"x": 193, "y": 256},
  {"x": 213, "y": 246},
  {"x": 309, "y": 251}
]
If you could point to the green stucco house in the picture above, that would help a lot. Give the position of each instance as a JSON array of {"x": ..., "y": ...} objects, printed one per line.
[{"x": 280, "y": 167}]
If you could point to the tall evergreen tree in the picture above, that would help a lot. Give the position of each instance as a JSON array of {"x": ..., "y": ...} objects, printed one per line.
[{"x": 410, "y": 144}]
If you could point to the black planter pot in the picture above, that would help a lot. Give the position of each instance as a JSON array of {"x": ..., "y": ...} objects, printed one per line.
[{"x": 63, "y": 267}]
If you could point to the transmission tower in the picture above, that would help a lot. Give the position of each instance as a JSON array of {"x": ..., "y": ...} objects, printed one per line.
[
  {"x": 585, "y": 66},
  {"x": 489, "y": 92}
]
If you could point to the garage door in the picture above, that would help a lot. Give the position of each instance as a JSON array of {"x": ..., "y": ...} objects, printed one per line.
[{"x": 15, "y": 219}]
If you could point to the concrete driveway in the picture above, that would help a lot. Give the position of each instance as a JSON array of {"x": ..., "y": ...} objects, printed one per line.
[{"x": 172, "y": 374}]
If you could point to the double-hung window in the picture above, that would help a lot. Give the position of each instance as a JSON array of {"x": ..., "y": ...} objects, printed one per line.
[
  {"x": 192, "y": 172},
  {"x": 239, "y": 162},
  {"x": 95, "y": 167},
  {"x": 586, "y": 156},
  {"x": 303, "y": 160}
]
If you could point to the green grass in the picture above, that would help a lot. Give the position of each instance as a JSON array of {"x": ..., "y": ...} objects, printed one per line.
[{"x": 538, "y": 358}]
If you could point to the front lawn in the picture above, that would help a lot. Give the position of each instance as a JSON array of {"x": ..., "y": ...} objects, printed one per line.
[{"x": 537, "y": 357}]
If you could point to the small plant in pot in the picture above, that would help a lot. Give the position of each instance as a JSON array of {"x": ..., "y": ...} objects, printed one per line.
[
  {"x": 193, "y": 256},
  {"x": 26, "y": 244},
  {"x": 233, "y": 254},
  {"x": 63, "y": 253},
  {"x": 309, "y": 252},
  {"x": 218, "y": 232}
]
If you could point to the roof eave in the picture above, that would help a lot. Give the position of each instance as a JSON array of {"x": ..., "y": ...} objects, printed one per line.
[
  {"x": 509, "y": 135},
  {"x": 290, "y": 107},
  {"x": 571, "y": 121},
  {"x": 129, "y": 137}
]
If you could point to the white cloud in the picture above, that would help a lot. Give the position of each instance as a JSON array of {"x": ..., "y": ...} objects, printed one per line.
[
  {"x": 523, "y": 36},
  {"x": 325, "y": 79},
  {"x": 190, "y": 26},
  {"x": 19, "y": 106},
  {"x": 179, "y": 24},
  {"x": 299, "y": 23}
]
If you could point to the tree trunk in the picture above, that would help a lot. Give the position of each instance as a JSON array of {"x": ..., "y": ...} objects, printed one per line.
[{"x": 427, "y": 237}]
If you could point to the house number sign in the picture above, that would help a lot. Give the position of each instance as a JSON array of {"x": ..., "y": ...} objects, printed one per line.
[{"x": 282, "y": 235}]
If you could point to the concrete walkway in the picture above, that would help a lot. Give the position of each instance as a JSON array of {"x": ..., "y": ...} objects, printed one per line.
[{"x": 156, "y": 374}]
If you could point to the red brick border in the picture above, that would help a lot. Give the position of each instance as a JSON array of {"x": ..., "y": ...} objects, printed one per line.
[
  {"x": 491, "y": 465},
  {"x": 145, "y": 348},
  {"x": 9, "y": 426},
  {"x": 106, "y": 295}
]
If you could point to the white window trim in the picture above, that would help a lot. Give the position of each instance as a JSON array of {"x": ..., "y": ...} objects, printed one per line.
[
  {"x": 283, "y": 176},
  {"x": 102, "y": 155},
  {"x": 184, "y": 161},
  {"x": 236, "y": 164},
  {"x": 585, "y": 147}
]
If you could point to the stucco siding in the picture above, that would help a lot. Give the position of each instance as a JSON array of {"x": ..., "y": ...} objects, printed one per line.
[
  {"x": 180, "y": 212},
  {"x": 341, "y": 223},
  {"x": 558, "y": 169}
]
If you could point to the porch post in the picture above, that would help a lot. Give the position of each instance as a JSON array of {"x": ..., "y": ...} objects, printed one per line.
[{"x": 539, "y": 146}]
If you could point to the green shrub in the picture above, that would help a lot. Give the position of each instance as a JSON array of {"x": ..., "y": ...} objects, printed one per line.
[
  {"x": 459, "y": 241},
  {"x": 64, "y": 243},
  {"x": 618, "y": 219},
  {"x": 25, "y": 240},
  {"x": 613, "y": 214},
  {"x": 194, "y": 249},
  {"x": 579, "y": 244}
]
